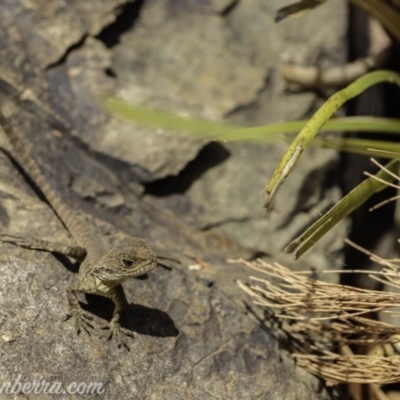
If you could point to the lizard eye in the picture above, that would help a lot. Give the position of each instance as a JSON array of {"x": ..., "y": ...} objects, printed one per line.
[{"x": 127, "y": 263}]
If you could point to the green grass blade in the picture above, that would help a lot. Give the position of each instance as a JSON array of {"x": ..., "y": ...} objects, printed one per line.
[
  {"x": 313, "y": 126},
  {"x": 383, "y": 12},
  {"x": 223, "y": 131},
  {"x": 371, "y": 148},
  {"x": 340, "y": 210},
  {"x": 164, "y": 119}
]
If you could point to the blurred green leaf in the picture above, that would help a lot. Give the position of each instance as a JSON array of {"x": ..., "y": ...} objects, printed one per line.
[
  {"x": 366, "y": 147},
  {"x": 297, "y": 9},
  {"x": 340, "y": 210},
  {"x": 383, "y": 12},
  {"x": 314, "y": 125},
  {"x": 223, "y": 131}
]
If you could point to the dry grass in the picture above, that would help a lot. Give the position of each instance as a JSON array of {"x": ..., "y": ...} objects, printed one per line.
[{"x": 323, "y": 319}]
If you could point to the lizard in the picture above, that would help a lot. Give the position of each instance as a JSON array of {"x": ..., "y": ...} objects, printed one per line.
[{"x": 100, "y": 272}]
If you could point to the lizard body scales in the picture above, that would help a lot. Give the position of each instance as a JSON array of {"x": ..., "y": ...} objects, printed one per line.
[{"x": 100, "y": 272}]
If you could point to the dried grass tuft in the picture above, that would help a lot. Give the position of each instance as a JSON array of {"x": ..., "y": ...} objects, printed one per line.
[{"x": 323, "y": 319}]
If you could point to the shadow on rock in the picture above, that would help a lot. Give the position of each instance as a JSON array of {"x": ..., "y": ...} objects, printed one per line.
[{"x": 137, "y": 318}]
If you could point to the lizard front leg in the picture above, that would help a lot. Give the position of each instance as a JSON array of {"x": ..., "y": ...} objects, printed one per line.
[
  {"x": 76, "y": 252},
  {"x": 116, "y": 331},
  {"x": 81, "y": 318}
]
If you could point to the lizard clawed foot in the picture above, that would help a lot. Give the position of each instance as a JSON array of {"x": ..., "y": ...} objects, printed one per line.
[
  {"x": 116, "y": 332},
  {"x": 82, "y": 320}
]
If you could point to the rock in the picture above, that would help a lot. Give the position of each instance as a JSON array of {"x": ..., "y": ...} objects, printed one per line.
[
  {"x": 153, "y": 64},
  {"x": 194, "y": 337}
]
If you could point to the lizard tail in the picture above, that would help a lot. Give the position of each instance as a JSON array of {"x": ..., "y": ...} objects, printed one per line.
[{"x": 77, "y": 229}]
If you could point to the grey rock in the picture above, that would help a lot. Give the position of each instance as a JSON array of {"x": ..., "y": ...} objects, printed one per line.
[
  {"x": 191, "y": 340},
  {"x": 236, "y": 60},
  {"x": 194, "y": 338}
]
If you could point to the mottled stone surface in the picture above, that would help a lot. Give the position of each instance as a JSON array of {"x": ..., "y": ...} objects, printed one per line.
[{"x": 194, "y": 338}]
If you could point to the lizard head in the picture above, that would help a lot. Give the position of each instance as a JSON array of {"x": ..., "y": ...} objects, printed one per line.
[{"x": 133, "y": 257}]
